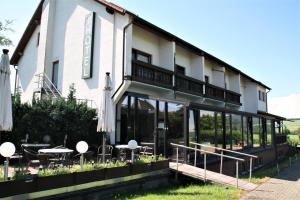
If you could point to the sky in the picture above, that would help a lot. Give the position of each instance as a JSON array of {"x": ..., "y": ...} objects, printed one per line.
[{"x": 259, "y": 37}]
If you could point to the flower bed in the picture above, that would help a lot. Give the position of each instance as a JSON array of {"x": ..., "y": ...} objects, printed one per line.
[{"x": 63, "y": 176}]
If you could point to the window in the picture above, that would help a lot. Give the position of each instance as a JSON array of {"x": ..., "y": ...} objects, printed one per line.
[
  {"x": 141, "y": 56},
  {"x": 263, "y": 96},
  {"x": 256, "y": 123},
  {"x": 206, "y": 79},
  {"x": 180, "y": 70},
  {"x": 237, "y": 135},
  {"x": 269, "y": 133},
  {"x": 207, "y": 127},
  {"x": 38, "y": 39},
  {"x": 259, "y": 94},
  {"x": 55, "y": 73}
]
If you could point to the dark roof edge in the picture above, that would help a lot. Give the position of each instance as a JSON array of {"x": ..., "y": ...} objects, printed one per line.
[
  {"x": 141, "y": 21},
  {"x": 33, "y": 23},
  {"x": 271, "y": 115}
]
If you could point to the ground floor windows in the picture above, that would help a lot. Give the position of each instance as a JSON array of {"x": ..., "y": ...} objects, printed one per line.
[
  {"x": 237, "y": 134},
  {"x": 159, "y": 123}
]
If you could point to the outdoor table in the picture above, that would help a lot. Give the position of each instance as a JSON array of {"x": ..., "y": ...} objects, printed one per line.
[
  {"x": 125, "y": 146},
  {"x": 57, "y": 151},
  {"x": 35, "y": 145}
]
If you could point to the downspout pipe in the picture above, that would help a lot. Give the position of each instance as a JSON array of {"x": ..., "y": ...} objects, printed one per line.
[
  {"x": 123, "y": 58},
  {"x": 267, "y": 101},
  {"x": 16, "y": 76}
]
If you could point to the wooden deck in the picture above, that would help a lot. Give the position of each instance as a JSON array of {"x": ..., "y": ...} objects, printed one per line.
[{"x": 198, "y": 173}]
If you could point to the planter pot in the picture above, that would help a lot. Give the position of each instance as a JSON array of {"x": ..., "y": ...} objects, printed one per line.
[
  {"x": 117, "y": 172},
  {"x": 89, "y": 176},
  {"x": 51, "y": 182},
  {"x": 140, "y": 168},
  {"x": 163, "y": 164},
  {"x": 16, "y": 187}
]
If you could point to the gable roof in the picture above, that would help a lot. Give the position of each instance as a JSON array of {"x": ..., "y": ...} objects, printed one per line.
[{"x": 36, "y": 19}]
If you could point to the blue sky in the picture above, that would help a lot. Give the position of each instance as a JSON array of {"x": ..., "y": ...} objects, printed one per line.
[{"x": 261, "y": 38}]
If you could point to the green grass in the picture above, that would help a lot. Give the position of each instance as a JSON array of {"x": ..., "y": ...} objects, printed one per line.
[
  {"x": 187, "y": 192},
  {"x": 293, "y": 125},
  {"x": 265, "y": 173}
]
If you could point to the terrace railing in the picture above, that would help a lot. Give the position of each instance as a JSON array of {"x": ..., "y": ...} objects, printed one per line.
[
  {"x": 214, "y": 92},
  {"x": 189, "y": 85},
  {"x": 233, "y": 97},
  {"x": 151, "y": 74},
  {"x": 251, "y": 157}
]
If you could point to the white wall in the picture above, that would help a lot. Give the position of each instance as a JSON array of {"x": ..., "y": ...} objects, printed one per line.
[
  {"x": 249, "y": 95},
  {"x": 262, "y": 106},
  {"x": 232, "y": 80},
  {"x": 27, "y": 68},
  {"x": 161, "y": 50},
  {"x": 215, "y": 73}
]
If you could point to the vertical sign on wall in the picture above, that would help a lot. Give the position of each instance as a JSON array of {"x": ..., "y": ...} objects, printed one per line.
[{"x": 88, "y": 43}]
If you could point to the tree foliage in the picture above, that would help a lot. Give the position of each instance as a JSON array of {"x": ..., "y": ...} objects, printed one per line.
[
  {"x": 54, "y": 118},
  {"x": 5, "y": 27}
]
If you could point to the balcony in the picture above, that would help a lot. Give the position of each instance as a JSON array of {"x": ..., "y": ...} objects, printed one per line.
[
  {"x": 214, "y": 92},
  {"x": 233, "y": 97},
  {"x": 151, "y": 74},
  {"x": 188, "y": 85}
]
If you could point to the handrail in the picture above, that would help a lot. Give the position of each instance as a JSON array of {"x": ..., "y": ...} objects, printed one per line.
[
  {"x": 208, "y": 152},
  {"x": 219, "y": 148},
  {"x": 222, "y": 150}
]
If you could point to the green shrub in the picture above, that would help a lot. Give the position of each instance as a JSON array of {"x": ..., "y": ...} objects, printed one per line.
[
  {"x": 293, "y": 140},
  {"x": 55, "y": 118}
]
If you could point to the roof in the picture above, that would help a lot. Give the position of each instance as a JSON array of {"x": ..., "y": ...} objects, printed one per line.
[
  {"x": 271, "y": 115},
  {"x": 136, "y": 20}
]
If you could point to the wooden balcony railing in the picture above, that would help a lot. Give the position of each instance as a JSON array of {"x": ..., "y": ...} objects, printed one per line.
[
  {"x": 189, "y": 85},
  {"x": 151, "y": 74},
  {"x": 232, "y": 97},
  {"x": 214, "y": 92}
]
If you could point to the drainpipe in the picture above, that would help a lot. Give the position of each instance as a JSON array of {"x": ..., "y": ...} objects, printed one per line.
[
  {"x": 123, "y": 58},
  {"x": 267, "y": 101},
  {"x": 16, "y": 75}
]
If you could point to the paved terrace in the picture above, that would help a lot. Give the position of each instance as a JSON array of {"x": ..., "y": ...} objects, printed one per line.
[{"x": 285, "y": 186}]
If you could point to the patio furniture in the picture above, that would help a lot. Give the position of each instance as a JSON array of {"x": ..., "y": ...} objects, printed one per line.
[
  {"x": 88, "y": 157},
  {"x": 123, "y": 148},
  {"x": 57, "y": 155},
  {"x": 33, "y": 145},
  {"x": 31, "y": 158},
  {"x": 146, "y": 151},
  {"x": 107, "y": 155}
]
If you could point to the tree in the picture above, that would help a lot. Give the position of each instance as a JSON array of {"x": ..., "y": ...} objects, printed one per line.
[{"x": 4, "y": 27}]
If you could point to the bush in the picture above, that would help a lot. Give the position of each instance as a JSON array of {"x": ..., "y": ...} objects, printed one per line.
[
  {"x": 293, "y": 140},
  {"x": 55, "y": 118}
]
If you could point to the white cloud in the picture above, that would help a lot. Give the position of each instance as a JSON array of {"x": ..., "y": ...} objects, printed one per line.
[{"x": 287, "y": 106}]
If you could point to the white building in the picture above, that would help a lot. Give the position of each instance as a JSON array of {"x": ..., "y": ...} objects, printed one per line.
[{"x": 157, "y": 77}]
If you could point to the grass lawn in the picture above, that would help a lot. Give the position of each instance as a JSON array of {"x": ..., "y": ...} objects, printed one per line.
[
  {"x": 186, "y": 192},
  {"x": 262, "y": 175}
]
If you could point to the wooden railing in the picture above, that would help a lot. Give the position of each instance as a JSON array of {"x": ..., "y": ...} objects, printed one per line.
[
  {"x": 214, "y": 92},
  {"x": 189, "y": 85},
  {"x": 151, "y": 74},
  {"x": 232, "y": 97}
]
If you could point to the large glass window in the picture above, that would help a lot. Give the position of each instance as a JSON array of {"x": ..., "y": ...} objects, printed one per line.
[
  {"x": 207, "y": 127},
  {"x": 269, "y": 133},
  {"x": 192, "y": 127},
  {"x": 256, "y": 132},
  {"x": 237, "y": 136},
  {"x": 219, "y": 129},
  {"x": 175, "y": 123},
  {"x": 228, "y": 131},
  {"x": 246, "y": 132},
  {"x": 145, "y": 120}
]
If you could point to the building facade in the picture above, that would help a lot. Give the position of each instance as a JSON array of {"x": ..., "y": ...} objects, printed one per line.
[{"x": 164, "y": 88}]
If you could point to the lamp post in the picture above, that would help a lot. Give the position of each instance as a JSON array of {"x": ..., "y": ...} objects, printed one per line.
[
  {"x": 132, "y": 144},
  {"x": 81, "y": 147},
  {"x": 7, "y": 149}
]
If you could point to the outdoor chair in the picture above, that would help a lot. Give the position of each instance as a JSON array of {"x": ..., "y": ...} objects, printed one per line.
[
  {"x": 88, "y": 157},
  {"x": 31, "y": 158},
  {"x": 146, "y": 151},
  {"x": 107, "y": 155}
]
